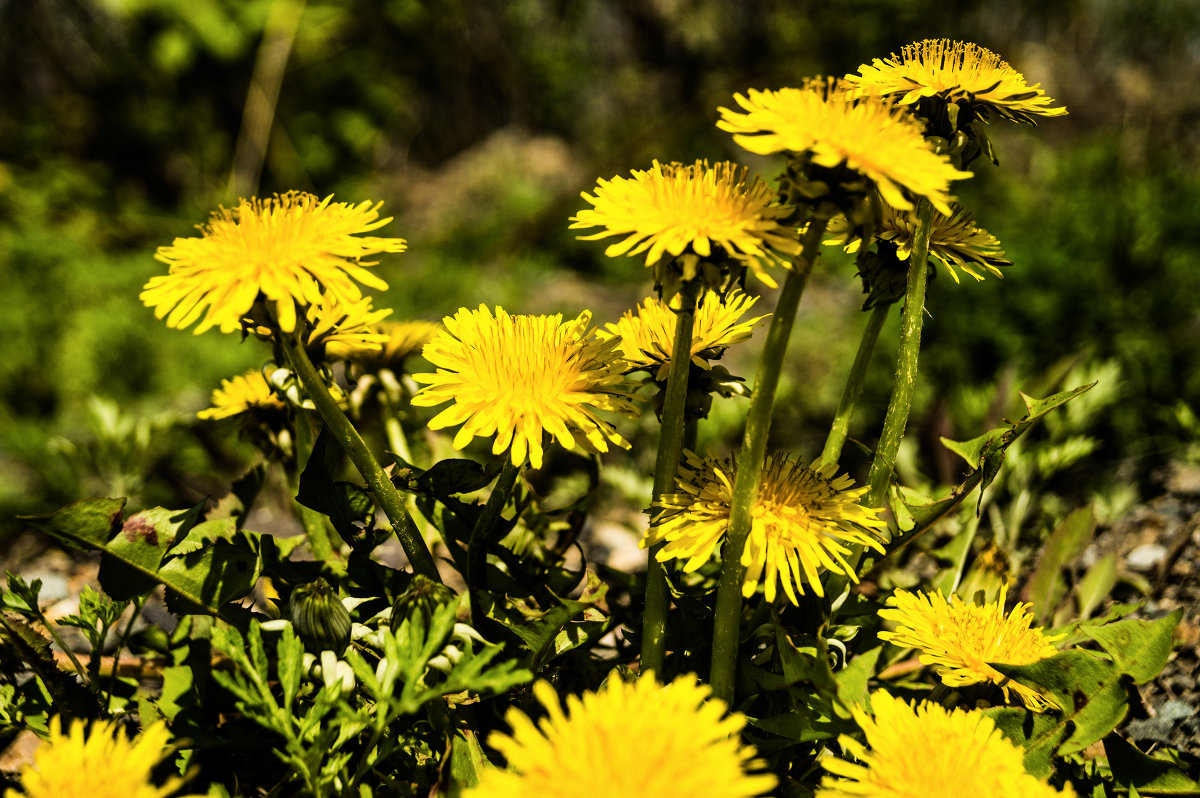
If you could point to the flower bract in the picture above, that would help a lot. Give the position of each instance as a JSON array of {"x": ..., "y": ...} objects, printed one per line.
[
  {"x": 961, "y": 639},
  {"x": 240, "y": 395},
  {"x": 647, "y": 336},
  {"x": 290, "y": 249},
  {"x": 804, "y": 521},
  {"x": 692, "y": 212},
  {"x": 98, "y": 763},
  {"x": 960, "y": 73},
  {"x": 518, "y": 377},
  {"x": 928, "y": 751},
  {"x": 874, "y": 138},
  {"x": 627, "y": 739}
]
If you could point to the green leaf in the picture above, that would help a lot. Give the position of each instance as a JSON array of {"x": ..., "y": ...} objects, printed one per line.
[
  {"x": 1088, "y": 689},
  {"x": 1066, "y": 542},
  {"x": 852, "y": 680},
  {"x": 1038, "y": 733},
  {"x": 350, "y": 507},
  {"x": 466, "y": 762},
  {"x": 86, "y": 524},
  {"x": 1139, "y": 648},
  {"x": 1096, "y": 584},
  {"x": 1133, "y": 770},
  {"x": 137, "y": 552},
  {"x": 540, "y": 629},
  {"x": 213, "y": 564}
]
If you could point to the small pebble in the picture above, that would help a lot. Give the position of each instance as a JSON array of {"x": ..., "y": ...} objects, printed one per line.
[{"x": 1145, "y": 557}]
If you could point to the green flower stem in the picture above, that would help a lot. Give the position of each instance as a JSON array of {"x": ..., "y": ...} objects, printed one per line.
[
  {"x": 854, "y": 384},
  {"x": 749, "y": 465},
  {"x": 312, "y": 521},
  {"x": 896, "y": 420},
  {"x": 385, "y": 492},
  {"x": 485, "y": 524},
  {"x": 670, "y": 450}
]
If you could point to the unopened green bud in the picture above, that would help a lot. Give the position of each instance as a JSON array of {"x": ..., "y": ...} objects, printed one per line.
[
  {"x": 423, "y": 596},
  {"x": 321, "y": 620}
]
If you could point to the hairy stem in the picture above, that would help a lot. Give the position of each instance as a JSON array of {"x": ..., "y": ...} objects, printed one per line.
[
  {"x": 854, "y": 383},
  {"x": 670, "y": 449},
  {"x": 896, "y": 420},
  {"x": 385, "y": 492},
  {"x": 749, "y": 466}
]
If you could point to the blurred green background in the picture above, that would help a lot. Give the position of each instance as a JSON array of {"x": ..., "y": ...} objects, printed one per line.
[{"x": 124, "y": 123}]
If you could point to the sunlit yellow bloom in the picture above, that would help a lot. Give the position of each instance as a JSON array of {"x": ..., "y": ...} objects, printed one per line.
[
  {"x": 804, "y": 522},
  {"x": 346, "y": 327},
  {"x": 240, "y": 395},
  {"x": 100, "y": 764},
  {"x": 646, "y": 338},
  {"x": 639, "y": 739},
  {"x": 961, "y": 639},
  {"x": 518, "y": 377},
  {"x": 292, "y": 248},
  {"x": 954, "y": 240},
  {"x": 927, "y": 751},
  {"x": 689, "y": 211},
  {"x": 404, "y": 339},
  {"x": 881, "y": 142},
  {"x": 962, "y": 73}
]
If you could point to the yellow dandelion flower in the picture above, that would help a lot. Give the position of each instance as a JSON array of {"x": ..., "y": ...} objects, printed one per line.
[
  {"x": 100, "y": 764},
  {"x": 690, "y": 211},
  {"x": 404, "y": 338},
  {"x": 960, "y": 73},
  {"x": 627, "y": 739},
  {"x": 961, "y": 639},
  {"x": 345, "y": 327},
  {"x": 518, "y": 377},
  {"x": 289, "y": 249},
  {"x": 871, "y": 137},
  {"x": 928, "y": 751},
  {"x": 804, "y": 522},
  {"x": 955, "y": 240},
  {"x": 647, "y": 336},
  {"x": 242, "y": 394}
]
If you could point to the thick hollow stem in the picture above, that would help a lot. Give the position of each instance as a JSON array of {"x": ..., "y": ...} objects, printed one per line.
[
  {"x": 670, "y": 449},
  {"x": 854, "y": 383},
  {"x": 750, "y": 463},
  {"x": 385, "y": 492},
  {"x": 485, "y": 524},
  {"x": 905, "y": 383}
]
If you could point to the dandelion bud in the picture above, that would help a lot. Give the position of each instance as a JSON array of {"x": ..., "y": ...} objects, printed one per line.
[{"x": 320, "y": 619}]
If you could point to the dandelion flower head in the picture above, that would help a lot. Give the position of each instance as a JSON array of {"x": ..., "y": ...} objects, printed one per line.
[
  {"x": 242, "y": 394},
  {"x": 290, "y": 249},
  {"x": 804, "y": 522},
  {"x": 874, "y": 138},
  {"x": 961, "y": 73},
  {"x": 928, "y": 751},
  {"x": 647, "y": 337},
  {"x": 102, "y": 763},
  {"x": 626, "y": 739},
  {"x": 691, "y": 212},
  {"x": 403, "y": 339},
  {"x": 961, "y": 639},
  {"x": 955, "y": 240},
  {"x": 345, "y": 328},
  {"x": 518, "y": 377}
]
